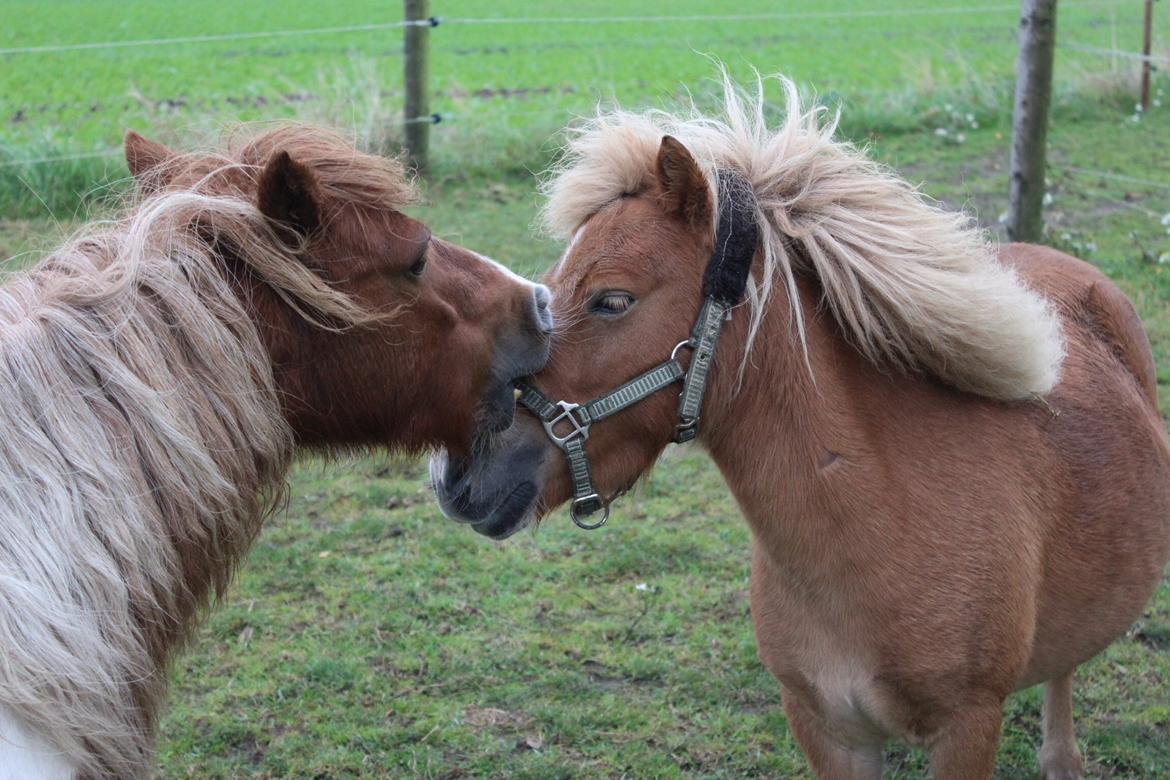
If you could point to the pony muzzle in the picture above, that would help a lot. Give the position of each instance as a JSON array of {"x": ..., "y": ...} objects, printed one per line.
[{"x": 497, "y": 495}]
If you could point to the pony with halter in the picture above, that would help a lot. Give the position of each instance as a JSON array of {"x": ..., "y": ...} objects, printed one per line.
[
  {"x": 949, "y": 452},
  {"x": 160, "y": 371}
]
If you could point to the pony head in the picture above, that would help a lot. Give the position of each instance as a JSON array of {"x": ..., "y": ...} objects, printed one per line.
[{"x": 377, "y": 331}]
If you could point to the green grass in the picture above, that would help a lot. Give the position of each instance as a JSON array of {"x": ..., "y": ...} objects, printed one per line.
[{"x": 368, "y": 637}]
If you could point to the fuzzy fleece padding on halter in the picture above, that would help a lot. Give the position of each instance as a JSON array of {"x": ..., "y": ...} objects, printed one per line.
[{"x": 737, "y": 237}]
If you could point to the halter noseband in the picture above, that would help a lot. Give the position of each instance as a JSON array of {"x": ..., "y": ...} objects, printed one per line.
[{"x": 724, "y": 282}]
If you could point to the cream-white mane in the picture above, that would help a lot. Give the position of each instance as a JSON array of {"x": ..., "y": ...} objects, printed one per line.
[
  {"x": 910, "y": 284},
  {"x": 141, "y": 441}
]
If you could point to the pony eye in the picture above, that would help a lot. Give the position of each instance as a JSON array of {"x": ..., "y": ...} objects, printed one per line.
[
  {"x": 419, "y": 266},
  {"x": 612, "y": 303}
]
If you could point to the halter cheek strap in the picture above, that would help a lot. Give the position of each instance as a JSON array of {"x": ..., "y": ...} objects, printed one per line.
[{"x": 724, "y": 282}]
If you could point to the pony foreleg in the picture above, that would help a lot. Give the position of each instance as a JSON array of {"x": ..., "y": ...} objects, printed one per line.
[
  {"x": 830, "y": 759},
  {"x": 965, "y": 747},
  {"x": 1059, "y": 757}
]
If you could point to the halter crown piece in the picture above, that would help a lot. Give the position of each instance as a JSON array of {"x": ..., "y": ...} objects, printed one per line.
[{"x": 736, "y": 238}]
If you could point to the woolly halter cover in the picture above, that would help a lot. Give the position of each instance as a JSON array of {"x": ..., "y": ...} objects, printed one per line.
[{"x": 736, "y": 238}]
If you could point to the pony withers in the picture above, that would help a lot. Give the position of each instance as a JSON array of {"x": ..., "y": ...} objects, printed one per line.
[
  {"x": 949, "y": 453},
  {"x": 160, "y": 371}
]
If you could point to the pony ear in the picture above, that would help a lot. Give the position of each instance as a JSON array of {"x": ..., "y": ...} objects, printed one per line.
[
  {"x": 147, "y": 160},
  {"x": 685, "y": 191},
  {"x": 288, "y": 194}
]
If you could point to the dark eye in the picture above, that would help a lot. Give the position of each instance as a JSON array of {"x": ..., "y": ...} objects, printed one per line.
[
  {"x": 416, "y": 270},
  {"x": 612, "y": 303}
]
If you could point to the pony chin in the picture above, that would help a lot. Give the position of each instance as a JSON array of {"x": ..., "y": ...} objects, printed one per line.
[{"x": 497, "y": 488}]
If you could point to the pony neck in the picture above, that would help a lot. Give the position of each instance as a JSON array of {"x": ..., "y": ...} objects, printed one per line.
[
  {"x": 774, "y": 431},
  {"x": 145, "y": 444}
]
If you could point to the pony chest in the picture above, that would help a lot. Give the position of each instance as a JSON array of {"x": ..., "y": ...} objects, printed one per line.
[
  {"x": 845, "y": 695},
  {"x": 825, "y": 660}
]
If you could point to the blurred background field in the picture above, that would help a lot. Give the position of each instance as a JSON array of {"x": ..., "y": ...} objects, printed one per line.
[
  {"x": 504, "y": 78},
  {"x": 367, "y": 636}
]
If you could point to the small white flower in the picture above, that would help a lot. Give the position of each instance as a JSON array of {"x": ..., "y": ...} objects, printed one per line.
[
  {"x": 1137, "y": 108},
  {"x": 1164, "y": 258},
  {"x": 1066, "y": 237},
  {"x": 1166, "y": 218},
  {"x": 970, "y": 117},
  {"x": 941, "y": 132},
  {"x": 1157, "y": 103},
  {"x": 1091, "y": 246},
  {"x": 1047, "y": 200},
  {"x": 960, "y": 138},
  {"x": 1136, "y": 118},
  {"x": 641, "y": 586},
  {"x": 974, "y": 125},
  {"x": 1002, "y": 218}
]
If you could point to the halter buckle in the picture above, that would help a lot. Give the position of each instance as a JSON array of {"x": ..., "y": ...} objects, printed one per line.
[
  {"x": 579, "y": 428},
  {"x": 586, "y": 506},
  {"x": 686, "y": 431}
]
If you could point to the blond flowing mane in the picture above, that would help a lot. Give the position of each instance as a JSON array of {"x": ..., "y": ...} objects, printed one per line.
[
  {"x": 910, "y": 284},
  {"x": 142, "y": 440}
]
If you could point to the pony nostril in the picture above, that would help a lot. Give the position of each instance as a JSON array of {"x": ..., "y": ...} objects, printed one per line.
[{"x": 542, "y": 298}]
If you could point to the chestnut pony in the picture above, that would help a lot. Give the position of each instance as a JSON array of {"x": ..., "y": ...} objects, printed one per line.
[
  {"x": 158, "y": 373},
  {"x": 949, "y": 453}
]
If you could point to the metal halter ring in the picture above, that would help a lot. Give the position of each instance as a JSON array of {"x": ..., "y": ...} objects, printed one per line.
[
  {"x": 678, "y": 346},
  {"x": 578, "y": 518}
]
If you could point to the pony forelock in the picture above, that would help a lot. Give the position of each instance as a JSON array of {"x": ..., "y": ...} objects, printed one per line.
[{"x": 910, "y": 284}]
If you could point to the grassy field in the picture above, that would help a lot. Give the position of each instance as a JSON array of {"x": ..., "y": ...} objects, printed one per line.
[
  {"x": 505, "y": 87},
  {"x": 507, "y": 72},
  {"x": 368, "y": 637}
]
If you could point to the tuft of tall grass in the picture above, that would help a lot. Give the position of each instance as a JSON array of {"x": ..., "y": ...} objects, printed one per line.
[{"x": 49, "y": 180}]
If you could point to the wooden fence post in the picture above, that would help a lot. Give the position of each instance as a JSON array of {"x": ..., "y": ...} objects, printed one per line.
[
  {"x": 417, "y": 101},
  {"x": 1025, "y": 221},
  {"x": 1147, "y": 24}
]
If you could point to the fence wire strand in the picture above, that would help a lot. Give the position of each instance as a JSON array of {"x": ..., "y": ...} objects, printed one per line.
[
  {"x": 1162, "y": 185},
  {"x": 1126, "y": 55},
  {"x": 211, "y": 38},
  {"x": 58, "y": 158},
  {"x": 779, "y": 16}
]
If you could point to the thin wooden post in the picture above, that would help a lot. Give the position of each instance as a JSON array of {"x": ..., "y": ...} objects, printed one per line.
[
  {"x": 417, "y": 103},
  {"x": 1147, "y": 25},
  {"x": 1025, "y": 220}
]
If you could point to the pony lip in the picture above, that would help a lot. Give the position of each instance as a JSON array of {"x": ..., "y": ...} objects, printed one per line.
[
  {"x": 498, "y": 518},
  {"x": 512, "y": 514}
]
